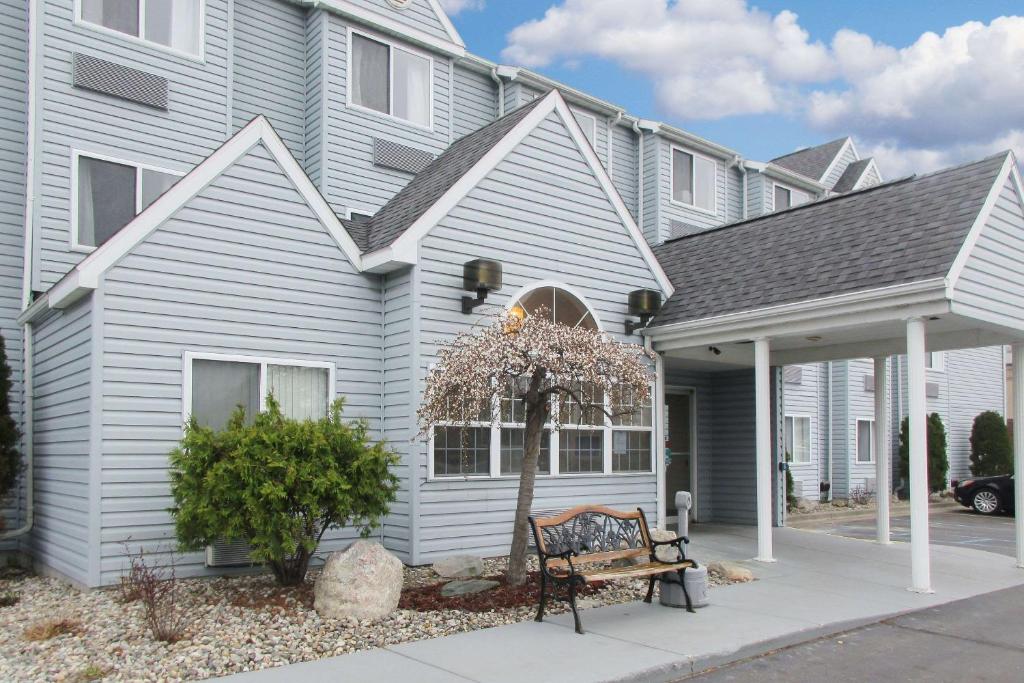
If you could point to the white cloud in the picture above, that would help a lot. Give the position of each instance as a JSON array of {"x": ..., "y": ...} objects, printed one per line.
[
  {"x": 453, "y": 7},
  {"x": 706, "y": 58},
  {"x": 942, "y": 100}
]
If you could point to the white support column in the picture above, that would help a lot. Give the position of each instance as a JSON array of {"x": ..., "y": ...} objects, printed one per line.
[
  {"x": 918, "y": 433},
  {"x": 763, "y": 441},
  {"x": 1018, "y": 447},
  {"x": 883, "y": 468}
]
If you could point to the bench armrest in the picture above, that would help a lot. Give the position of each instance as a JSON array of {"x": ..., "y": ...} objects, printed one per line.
[{"x": 674, "y": 541}]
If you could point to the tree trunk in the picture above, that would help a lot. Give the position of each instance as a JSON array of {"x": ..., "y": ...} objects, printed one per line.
[{"x": 537, "y": 407}]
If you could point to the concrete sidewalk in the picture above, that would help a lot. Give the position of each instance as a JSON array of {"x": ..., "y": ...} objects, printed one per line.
[{"x": 820, "y": 585}]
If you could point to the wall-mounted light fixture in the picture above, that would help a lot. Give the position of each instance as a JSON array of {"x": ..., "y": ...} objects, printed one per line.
[
  {"x": 480, "y": 276},
  {"x": 643, "y": 303}
]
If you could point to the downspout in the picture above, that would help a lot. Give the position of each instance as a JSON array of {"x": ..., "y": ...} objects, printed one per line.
[
  {"x": 742, "y": 166},
  {"x": 26, "y": 285},
  {"x": 639, "y": 175},
  {"x": 501, "y": 91}
]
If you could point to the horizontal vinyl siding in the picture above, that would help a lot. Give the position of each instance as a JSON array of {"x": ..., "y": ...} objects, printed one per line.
[
  {"x": 270, "y": 68},
  {"x": 418, "y": 15},
  {"x": 244, "y": 268},
  {"x": 734, "y": 475},
  {"x": 399, "y": 406},
  {"x": 62, "y": 401},
  {"x": 474, "y": 101},
  {"x": 804, "y": 399},
  {"x": 862, "y": 407},
  {"x": 178, "y": 139},
  {"x": 541, "y": 214},
  {"x": 624, "y": 169},
  {"x": 315, "y": 112},
  {"x": 974, "y": 381}
]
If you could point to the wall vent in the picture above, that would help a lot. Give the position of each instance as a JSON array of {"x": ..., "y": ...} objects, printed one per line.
[
  {"x": 99, "y": 75},
  {"x": 229, "y": 554},
  {"x": 931, "y": 390},
  {"x": 388, "y": 154},
  {"x": 793, "y": 374},
  {"x": 681, "y": 229},
  {"x": 869, "y": 383}
]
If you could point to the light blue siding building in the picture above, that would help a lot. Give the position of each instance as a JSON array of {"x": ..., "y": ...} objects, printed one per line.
[{"x": 257, "y": 196}]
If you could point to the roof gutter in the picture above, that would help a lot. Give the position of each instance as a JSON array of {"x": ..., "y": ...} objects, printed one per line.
[{"x": 778, "y": 172}]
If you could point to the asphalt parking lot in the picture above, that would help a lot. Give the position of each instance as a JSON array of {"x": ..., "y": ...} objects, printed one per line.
[{"x": 948, "y": 527}]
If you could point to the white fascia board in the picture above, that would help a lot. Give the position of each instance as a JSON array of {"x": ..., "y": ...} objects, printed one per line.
[
  {"x": 449, "y": 27},
  {"x": 908, "y": 300},
  {"x": 391, "y": 258},
  {"x": 577, "y": 97},
  {"x": 384, "y": 23},
  {"x": 837, "y": 157},
  {"x": 979, "y": 223},
  {"x": 86, "y": 275},
  {"x": 786, "y": 176},
  {"x": 689, "y": 140},
  {"x": 34, "y": 310}
]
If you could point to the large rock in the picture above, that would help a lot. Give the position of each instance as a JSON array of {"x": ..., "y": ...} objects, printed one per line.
[
  {"x": 459, "y": 567},
  {"x": 467, "y": 587},
  {"x": 363, "y": 581},
  {"x": 665, "y": 553},
  {"x": 731, "y": 571}
]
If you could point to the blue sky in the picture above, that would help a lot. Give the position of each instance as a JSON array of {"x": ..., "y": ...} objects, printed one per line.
[{"x": 600, "y": 64}]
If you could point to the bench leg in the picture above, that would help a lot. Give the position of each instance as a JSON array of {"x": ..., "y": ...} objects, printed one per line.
[
  {"x": 572, "y": 603},
  {"x": 650, "y": 589},
  {"x": 543, "y": 597},
  {"x": 686, "y": 593}
]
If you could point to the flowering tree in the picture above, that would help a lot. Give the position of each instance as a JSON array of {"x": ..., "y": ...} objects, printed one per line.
[{"x": 538, "y": 362}]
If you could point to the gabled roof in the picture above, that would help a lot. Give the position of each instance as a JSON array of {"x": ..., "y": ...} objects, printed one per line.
[
  {"x": 852, "y": 175},
  {"x": 430, "y": 184},
  {"x": 902, "y": 232},
  {"x": 813, "y": 162},
  {"x": 453, "y": 45}
]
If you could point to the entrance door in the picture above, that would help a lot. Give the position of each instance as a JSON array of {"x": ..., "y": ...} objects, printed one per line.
[{"x": 679, "y": 448}]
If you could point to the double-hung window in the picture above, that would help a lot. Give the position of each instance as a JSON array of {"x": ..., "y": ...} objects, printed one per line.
[
  {"x": 390, "y": 79},
  {"x": 865, "y": 441},
  {"x": 217, "y": 385},
  {"x": 798, "y": 439},
  {"x": 786, "y": 198},
  {"x": 694, "y": 178},
  {"x": 108, "y": 194},
  {"x": 632, "y": 435},
  {"x": 174, "y": 24}
]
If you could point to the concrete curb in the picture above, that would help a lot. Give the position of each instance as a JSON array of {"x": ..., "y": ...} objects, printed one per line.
[{"x": 814, "y": 518}]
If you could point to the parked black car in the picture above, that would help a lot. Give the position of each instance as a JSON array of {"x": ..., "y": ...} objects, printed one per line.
[{"x": 987, "y": 495}]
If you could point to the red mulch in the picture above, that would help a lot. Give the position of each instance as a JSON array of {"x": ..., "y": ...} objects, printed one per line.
[{"x": 429, "y": 598}]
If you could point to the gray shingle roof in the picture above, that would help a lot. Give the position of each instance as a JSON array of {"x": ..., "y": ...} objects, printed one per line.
[
  {"x": 430, "y": 184},
  {"x": 813, "y": 161},
  {"x": 851, "y": 175},
  {"x": 899, "y": 232}
]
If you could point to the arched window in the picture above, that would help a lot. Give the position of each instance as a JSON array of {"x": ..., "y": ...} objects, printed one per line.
[{"x": 561, "y": 306}]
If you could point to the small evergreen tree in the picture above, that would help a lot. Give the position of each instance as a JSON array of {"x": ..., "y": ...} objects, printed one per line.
[
  {"x": 938, "y": 459},
  {"x": 791, "y": 499},
  {"x": 10, "y": 457},
  {"x": 991, "y": 452}
]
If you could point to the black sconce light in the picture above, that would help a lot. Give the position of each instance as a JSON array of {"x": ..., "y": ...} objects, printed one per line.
[
  {"x": 480, "y": 276},
  {"x": 643, "y": 303}
]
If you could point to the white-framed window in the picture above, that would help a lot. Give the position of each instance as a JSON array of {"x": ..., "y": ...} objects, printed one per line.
[
  {"x": 694, "y": 180},
  {"x": 587, "y": 442},
  {"x": 588, "y": 123},
  {"x": 390, "y": 79},
  {"x": 865, "y": 441},
  {"x": 786, "y": 197},
  {"x": 798, "y": 439},
  {"x": 107, "y": 193},
  {"x": 216, "y": 384},
  {"x": 174, "y": 25},
  {"x": 935, "y": 360}
]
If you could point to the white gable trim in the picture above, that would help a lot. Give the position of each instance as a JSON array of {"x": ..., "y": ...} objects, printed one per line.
[
  {"x": 1008, "y": 170},
  {"x": 453, "y": 47},
  {"x": 86, "y": 275},
  {"x": 863, "y": 174},
  {"x": 837, "y": 157},
  {"x": 447, "y": 23},
  {"x": 404, "y": 249}
]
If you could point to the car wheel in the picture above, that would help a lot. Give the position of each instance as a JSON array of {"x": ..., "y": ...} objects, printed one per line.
[{"x": 986, "y": 502}]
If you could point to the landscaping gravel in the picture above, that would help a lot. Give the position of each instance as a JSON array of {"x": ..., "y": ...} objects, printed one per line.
[{"x": 240, "y": 624}]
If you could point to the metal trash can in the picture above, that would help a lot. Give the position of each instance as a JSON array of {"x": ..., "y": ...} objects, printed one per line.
[{"x": 671, "y": 593}]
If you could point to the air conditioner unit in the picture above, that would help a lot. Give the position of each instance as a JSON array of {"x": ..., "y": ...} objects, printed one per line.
[{"x": 229, "y": 554}]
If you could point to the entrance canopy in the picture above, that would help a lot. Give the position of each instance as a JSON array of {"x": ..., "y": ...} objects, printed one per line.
[{"x": 933, "y": 262}]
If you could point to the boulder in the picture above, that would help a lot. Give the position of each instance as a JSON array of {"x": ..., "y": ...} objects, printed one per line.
[
  {"x": 467, "y": 587},
  {"x": 665, "y": 553},
  {"x": 364, "y": 581},
  {"x": 459, "y": 567},
  {"x": 731, "y": 571}
]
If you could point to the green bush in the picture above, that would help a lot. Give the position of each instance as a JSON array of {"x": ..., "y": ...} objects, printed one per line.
[
  {"x": 991, "y": 452},
  {"x": 279, "y": 484},
  {"x": 938, "y": 459},
  {"x": 10, "y": 457},
  {"x": 791, "y": 500}
]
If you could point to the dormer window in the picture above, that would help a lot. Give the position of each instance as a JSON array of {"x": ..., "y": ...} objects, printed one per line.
[
  {"x": 390, "y": 79},
  {"x": 786, "y": 198},
  {"x": 694, "y": 180},
  {"x": 173, "y": 24}
]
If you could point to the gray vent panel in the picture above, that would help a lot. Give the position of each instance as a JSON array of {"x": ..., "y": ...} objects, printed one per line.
[
  {"x": 681, "y": 229},
  {"x": 99, "y": 75},
  {"x": 793, "y": 375},
  {"x": 932, "y": 390},
  {"x": 225, "y": 554},
  {"x": 869, "y": 383},
  {"x": 400, "y": 157}
]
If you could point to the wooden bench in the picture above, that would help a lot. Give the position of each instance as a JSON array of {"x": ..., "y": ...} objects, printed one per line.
[{"x": 594, "y": 543}]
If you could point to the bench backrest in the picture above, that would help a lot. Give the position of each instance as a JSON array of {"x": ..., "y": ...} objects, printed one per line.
[{"x": 594, "y": 532}]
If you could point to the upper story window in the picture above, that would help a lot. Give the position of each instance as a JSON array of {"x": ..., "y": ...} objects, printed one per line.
[
  {"x": 786, "y": 198},
  {"x": 108, "y": 194},
  {"x": 798, "y": 439},
  {"x": 174, "y": 24},
  {"x": 934, "y": 360},
  {"x": 391, "y": 80},
  {"x": 589, "y": 125},
  {"x": 693, "y": 180}
]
